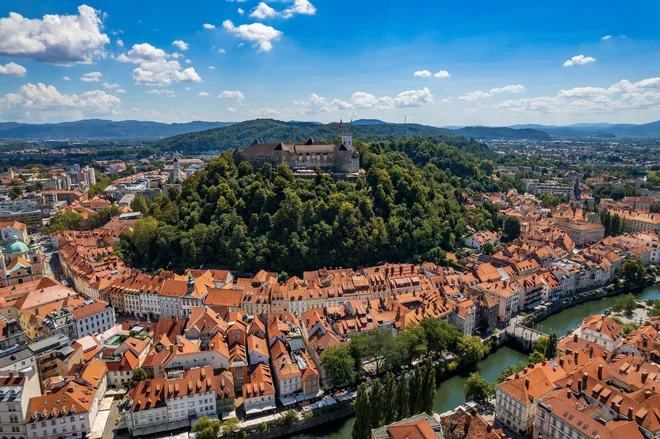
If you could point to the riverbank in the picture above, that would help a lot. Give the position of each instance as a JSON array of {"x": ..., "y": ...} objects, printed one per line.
[
  {"x": 589, "y": 296},
  {"x": 450, "y": 392}
]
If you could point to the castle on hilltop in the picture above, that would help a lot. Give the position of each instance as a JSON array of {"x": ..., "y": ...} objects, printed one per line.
[{"x": 309, "y": 155}]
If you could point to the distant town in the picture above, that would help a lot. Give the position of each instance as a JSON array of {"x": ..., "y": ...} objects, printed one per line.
[{"x": 97, "y": 344}]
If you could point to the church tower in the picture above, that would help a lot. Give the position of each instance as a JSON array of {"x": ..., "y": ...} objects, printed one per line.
[
  {"x": 36, "y": 261},
  {"x": 176, "y": 172},
  {"x": 3, "y": 269}
]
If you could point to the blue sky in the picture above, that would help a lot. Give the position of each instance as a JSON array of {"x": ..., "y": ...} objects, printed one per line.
[{"x": 434, "y": 62}]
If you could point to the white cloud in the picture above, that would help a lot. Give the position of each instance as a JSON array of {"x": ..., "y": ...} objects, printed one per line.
[
  {"x": 66, "y": 78},
  {"x": 508, "y": 89},
  {"x": 266, "y": 112},
  {"x": 110, "y": 86},
  {"x": 141, "y": 53},
  {"x": 606, "y": 37},
  {"x": 187, "y": 89},
  {"x": 241, "y": 11},
  {"x": 211, "y": 67},
  {"x": 55, "y": 39},
  {"x": 162, "y": 92},
  {"x": 187, "y": 75},
  {"x": 303, "y": 7},
  {"x": 579, "y": 60},
  {"x": 624, "y": 95},
  {"x": 341, "y": 105},
  {"x": 155, "y": 69},
  {"x": 261, "y": 35},
  {"x": 209, "y": 26},
  {"x": 91, "y": 77},
  {"x": 581, "y": 92},
  {"x": 41, "y": 102},
  {"x": 263, "y": 11},
  {"x": 411, "y": 98},
  {"x": 422, "y": 74},
  {"x": 181, "y": 45},
  {"x": 478, "y": 94},
  {"x": 317, "y": 104},
  {"x": 12, "y": 69},
  {"x": 120, "y": 90},
  {"x": 414, "y": 98},
  {"x": 221, "y": 51},
  {"x": 426, "y": 74},
  {"x": 474, "y": 96},
  {"x": 188, "y": 61},
  {"x": 446, "y": 100},
  {"x": 227, "y": 94},
  {"x": 202, "y": 93},
  {"x": 623, "y": 86},
  {"x": 119, "y": 42},
  {"x": 240, "y": 44},
  {"x": 231, "y": 110}
]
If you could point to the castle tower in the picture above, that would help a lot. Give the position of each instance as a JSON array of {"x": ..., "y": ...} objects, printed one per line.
[{"x": 347, "y": 141}]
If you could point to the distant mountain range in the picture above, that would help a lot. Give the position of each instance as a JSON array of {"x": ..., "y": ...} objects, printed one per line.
[
  {"x": 106, "y": 129},
  {"x": 269, "y": 130},
  {"x": 101, "y": 129},
  {"x": 598, "y": 130}
]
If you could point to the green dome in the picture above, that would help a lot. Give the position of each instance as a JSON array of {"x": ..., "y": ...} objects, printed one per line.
[{"x": 16, "y": 247}]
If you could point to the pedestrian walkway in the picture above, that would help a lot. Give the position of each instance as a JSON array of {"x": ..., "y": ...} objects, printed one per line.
[{"x": 101, "y": 418}]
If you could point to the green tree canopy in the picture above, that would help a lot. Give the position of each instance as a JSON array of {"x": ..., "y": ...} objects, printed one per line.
[
  {"x": 338, "y": 365},
  {"x": 471, "y": 349},
  {"x": 477, "y": 389}
]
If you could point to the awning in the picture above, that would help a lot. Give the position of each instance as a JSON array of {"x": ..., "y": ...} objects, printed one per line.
[
  {"x": 307, "y": 397},
  {"x": 159, "y": 428},
  {"x": 260, "y": 409},
  {"x": 288, "y": 400}
]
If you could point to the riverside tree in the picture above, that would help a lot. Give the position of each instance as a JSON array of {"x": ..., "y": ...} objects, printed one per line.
[
  {"x": 477, "y": 388},
  {"x": 362, "y": 424}
]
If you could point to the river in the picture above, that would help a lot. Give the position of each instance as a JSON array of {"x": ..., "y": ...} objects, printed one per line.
[
  {"x": 451, "y": 391},
  {"x": 570, "y": 318}
]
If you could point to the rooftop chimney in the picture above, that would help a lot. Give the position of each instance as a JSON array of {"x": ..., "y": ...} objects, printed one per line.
[
  {"x": 630, "y": 413},
  {"x": 526, "y": 383},
  {"x": 645, "y": 375},
  {"x": 575, "y": 337},
  {"x": 600, "y": 371}
]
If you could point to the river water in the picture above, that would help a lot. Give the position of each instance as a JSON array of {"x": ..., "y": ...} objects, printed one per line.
[{"x": 450, "y": 392}]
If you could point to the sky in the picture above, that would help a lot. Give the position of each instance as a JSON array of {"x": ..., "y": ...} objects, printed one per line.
[{"x": 433, "y": 62}]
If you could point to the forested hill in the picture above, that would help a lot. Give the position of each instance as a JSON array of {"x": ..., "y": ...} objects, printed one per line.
[
  {"x": 406, "y": 207},
  {"x": 268, "y": 130},
  {"x": 101, "y": 129}
]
